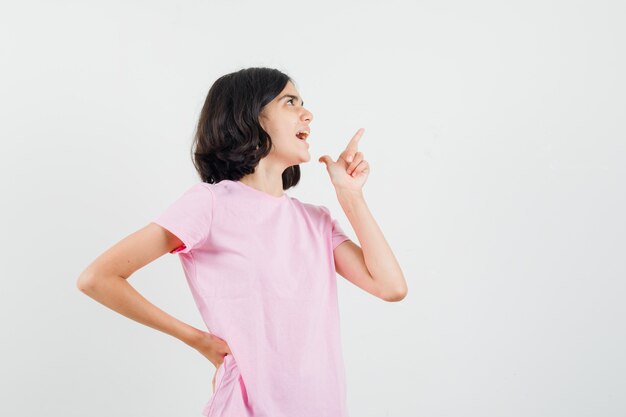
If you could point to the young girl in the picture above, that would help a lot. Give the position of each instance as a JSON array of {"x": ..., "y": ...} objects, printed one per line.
[{"x": 261, "y": 265}]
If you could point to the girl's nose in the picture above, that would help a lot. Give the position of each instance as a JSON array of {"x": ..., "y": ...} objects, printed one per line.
[{"x": 307, "y": 115}]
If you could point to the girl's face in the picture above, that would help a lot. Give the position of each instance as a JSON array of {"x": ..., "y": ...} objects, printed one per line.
[{"x": 282, "y": 119}]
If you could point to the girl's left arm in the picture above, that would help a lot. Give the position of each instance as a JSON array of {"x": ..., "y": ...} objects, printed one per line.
[
  {"x": 372, "y": 267},
  {"x": 374, "y": 256}
]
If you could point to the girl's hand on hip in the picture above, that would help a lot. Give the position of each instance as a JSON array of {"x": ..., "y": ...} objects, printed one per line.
[
  {"x": 214, "y": 349},
  {"x": 350, "y": 171}
]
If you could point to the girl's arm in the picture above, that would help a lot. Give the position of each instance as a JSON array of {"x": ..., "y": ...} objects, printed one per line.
[
  {"x": 106, "y": 281},
  {"x": 373, "y": 266}
]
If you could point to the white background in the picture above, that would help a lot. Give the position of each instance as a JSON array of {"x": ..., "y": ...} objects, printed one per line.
[{"x": 496, "y": 139}]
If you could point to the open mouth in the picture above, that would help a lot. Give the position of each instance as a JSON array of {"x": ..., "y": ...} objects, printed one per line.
[{"x": 302, "y": 135}]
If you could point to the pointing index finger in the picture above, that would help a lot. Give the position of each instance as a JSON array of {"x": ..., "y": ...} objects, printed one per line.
[{"x": 352, "y": 146}]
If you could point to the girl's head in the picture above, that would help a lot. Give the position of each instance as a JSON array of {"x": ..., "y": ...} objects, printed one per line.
[{"x": 249, "y": 115}]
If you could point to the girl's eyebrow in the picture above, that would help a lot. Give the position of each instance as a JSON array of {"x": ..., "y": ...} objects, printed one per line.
[{"x": 292, "y": 96}]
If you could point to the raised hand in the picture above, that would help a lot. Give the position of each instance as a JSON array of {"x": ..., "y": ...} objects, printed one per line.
[{"x": 350, "y": 171}]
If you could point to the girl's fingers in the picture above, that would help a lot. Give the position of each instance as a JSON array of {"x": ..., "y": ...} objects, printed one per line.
[
  {"x": 353, "y": 145},
  {"x": 358, "y": 157},
  {"x": 362, "y": 167}
]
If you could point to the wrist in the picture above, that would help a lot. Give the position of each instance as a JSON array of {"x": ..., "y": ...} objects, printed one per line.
[
  {"x": 349, "y": 198},
  {"x": 191, "y": 336},
  {"x": 349, "y": 193}
]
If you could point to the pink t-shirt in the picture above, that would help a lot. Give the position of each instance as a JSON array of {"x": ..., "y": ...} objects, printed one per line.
[{"x": 262, "y": 273}]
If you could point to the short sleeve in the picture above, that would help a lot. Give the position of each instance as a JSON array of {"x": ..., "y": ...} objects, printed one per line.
[
  {"x": 338, "y": 235},
  {"x": 189, "y": 217}
]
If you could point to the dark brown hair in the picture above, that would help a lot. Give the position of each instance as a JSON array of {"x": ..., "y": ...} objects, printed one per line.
[{"x": 229, "y": 140}]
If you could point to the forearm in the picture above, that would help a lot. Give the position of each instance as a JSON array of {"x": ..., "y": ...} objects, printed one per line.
[
  {"x": 379, "y": 258},
  {"x": 116, "y": 293}
]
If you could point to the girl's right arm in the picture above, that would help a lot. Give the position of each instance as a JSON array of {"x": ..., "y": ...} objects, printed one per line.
[{"x": 106, "y": 281}]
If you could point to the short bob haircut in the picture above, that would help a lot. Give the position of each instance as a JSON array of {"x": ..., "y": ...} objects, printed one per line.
[{"x": 229, "y": 140}]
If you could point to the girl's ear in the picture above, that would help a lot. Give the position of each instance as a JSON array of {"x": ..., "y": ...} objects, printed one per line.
[{"x": 261, "y": 118}]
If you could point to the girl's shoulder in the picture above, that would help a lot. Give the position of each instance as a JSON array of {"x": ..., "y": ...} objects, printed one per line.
[{"x": 316, "y": 210}]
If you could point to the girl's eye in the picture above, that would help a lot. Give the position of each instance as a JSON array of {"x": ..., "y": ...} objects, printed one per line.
[{"x": 290, "y": 100}]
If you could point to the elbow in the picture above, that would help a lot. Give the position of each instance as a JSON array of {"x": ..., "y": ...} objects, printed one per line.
[
  {"x": 395, "y": 295},
  {"x": 86, "y": 282},
  {"x": 83, "y": 284},
  {"x": 91, "y": 281}
]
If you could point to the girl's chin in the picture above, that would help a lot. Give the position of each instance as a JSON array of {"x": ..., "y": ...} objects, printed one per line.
[{"x": 308, "y": 156}]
